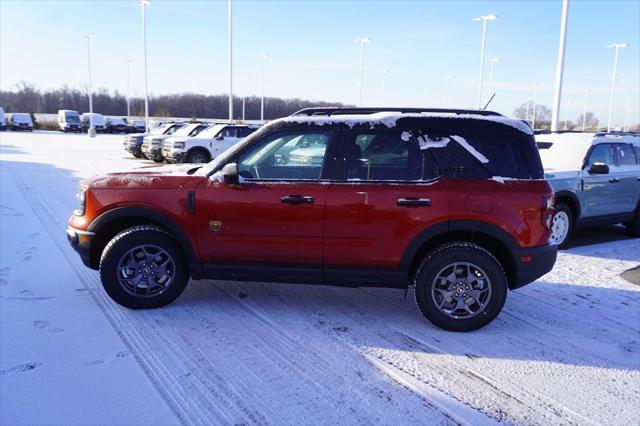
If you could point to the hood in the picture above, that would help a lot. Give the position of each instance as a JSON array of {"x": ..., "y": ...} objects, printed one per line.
[{"x": 152, "y": 177}]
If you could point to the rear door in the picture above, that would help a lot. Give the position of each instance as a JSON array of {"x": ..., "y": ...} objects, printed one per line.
[
  {"x": 625, "y": 174},
  {"x": 274, "y": 217},
  {"x": 378, "y": 202}
]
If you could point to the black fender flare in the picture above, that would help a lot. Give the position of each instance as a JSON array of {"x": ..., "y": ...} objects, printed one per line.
[
  {"x": 565, "y": 193},
  {"x": 110, "y": 216},
  {"x": 456, "y": 225}
]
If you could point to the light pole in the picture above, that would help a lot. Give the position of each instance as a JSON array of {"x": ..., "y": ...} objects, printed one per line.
[
  {"x": 447, "y": 79},
  {"x": 263, "y": 58},
  {"x": 625, "y": 128},
  {"x": 617, "y": 48},
  {"x": 230, "y": 37},
  {"x": 383, "y": 74},
  {"x": 129, "y": 88},
  {"x": 143, "y": 4},
  {"x": 492, "y": 62},
  {"x": 557, "y": 90},
  {"x": 535, "y": 99},
  {"x": 484, "y": 20},
  {"x": 362, "y": 42},
  {"x": 584, "y": 109},
  {"x": 92, "y": 130}
]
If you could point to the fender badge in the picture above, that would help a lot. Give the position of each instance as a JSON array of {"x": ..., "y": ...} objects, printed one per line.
[{"x": 215, "y": 225}]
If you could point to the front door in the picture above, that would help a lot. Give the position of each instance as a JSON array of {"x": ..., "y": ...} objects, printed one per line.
[
  {"x": 384, "y": 195},
  {"x": 274, "y": 217},
  {"x": 625, "y": 174},
  {"x": 599, "y": 190}
]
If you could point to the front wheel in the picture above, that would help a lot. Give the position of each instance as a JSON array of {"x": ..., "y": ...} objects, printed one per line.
[
  {"x": 561, "y": 225},
  {"x": 460, "y": 287},
  {"x": 143, "y": 267},
  {"x": 198, "y": 156}
]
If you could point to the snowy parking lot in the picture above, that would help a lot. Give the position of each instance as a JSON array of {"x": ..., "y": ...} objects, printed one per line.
[{"x": 565, "y": 350}]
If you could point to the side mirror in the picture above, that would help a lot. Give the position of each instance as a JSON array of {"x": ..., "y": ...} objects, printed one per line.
[
  {"x": 599, "y": 169},
  {"x": 230, "y": 174}
]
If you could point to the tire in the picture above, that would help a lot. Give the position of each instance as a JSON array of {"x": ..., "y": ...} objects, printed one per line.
[
  {"x": 428, "y": 288},
  {"x": 137, "y": 154},
  {"x": 562, "y": 221},
  {"x": 119, "y": 251},
  {"x": 158, "y": 159},
  {"x": 198, "y": 156},
  {"x": 633, "y": 227}
]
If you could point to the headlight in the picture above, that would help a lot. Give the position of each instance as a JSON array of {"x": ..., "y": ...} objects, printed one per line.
[
  {"x": 178, "y": 145},
  {"x": 81, "y": 196}
]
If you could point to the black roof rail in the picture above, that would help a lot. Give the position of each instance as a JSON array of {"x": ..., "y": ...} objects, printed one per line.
[
  {"x": 349, "y": 110},
  {"x": 617, "y": 132}
]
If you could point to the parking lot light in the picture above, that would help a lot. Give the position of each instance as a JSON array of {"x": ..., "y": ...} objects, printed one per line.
[
  {"x": 535, "y": 100},
  {"x": 142, "y": 4},
  {"x": 492, "y": 62},
  {"x": 244, "y": 95},
  {"x": 92, "y": 130},
  {"x": 557, "y": 89},
  {"x": 230, "y": 40},
  {"x": 616, "y": 47},
  {"x": 484, "y": 20},
  {"x": 129, "y": 88},
  {"x": 362, "y": 41},
  {"x": 262, "y": 58},
  {"x": 584, "y": 109}
]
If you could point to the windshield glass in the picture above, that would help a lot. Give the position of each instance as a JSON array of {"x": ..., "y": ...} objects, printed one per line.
[
  {"x": 21, "y": 117},
  {"x": 116, "y": 121},
  {"x": 211, "y": 132},
  {"x": 184, "y": 131},
  {"x": 72, "y": 118}
]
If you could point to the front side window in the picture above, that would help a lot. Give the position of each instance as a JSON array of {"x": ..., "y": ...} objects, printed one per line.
[
  {"x": 172, "y": 129},
  {"x": 625, "y": 155},
  {"x": 228, "y": 132},
  {"x": 292, "y": 155},
  {"x": 601, "y": 154}
]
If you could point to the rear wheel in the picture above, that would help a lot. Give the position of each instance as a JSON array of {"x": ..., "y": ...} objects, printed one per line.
[
  {"x": 561, "y": 225},
  {"x": 460, "y": 287},
  {"x": 143, "y": 267},
  {"x": 198, "y": 156}
]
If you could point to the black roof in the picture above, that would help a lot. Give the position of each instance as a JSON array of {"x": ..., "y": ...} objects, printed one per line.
[{"x": 348, "y": 110}]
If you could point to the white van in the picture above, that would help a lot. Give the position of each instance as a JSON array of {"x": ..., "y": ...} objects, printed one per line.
[
  {"x": 99, "y": 122},
  {"x": 3, "y": 120},
  {"x": 69, "y": 120}
]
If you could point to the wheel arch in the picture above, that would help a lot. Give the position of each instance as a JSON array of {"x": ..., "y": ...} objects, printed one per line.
[
  {"x": 198, "y": 148},
  {"x": 571, "y": 200},
  {"x": 490, "y": 237},
  {"x": 110, "y": 223}
]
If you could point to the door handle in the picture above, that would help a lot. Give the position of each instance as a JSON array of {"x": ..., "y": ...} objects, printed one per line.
[
  {"x": 297, "y": 199},
  {"x": 413, "y": 202},
  {"x": 614, "y": 180}
]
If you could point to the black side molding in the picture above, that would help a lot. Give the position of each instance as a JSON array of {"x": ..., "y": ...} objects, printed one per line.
[{"x": 191, "y": 201}]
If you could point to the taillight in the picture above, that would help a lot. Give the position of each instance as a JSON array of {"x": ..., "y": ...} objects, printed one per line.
[{"x": 548, "y": 205}]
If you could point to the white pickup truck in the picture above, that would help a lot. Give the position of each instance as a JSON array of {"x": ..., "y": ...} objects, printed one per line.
[{"x": 205, "y": 146}]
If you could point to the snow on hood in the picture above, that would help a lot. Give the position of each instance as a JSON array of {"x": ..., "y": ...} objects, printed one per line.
[
  {"x": 163, "y": 177},
  {"x": 389, "y": 119}
]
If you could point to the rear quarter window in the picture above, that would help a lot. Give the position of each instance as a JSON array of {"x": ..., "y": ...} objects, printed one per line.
[{"x": 507, "y": 157}]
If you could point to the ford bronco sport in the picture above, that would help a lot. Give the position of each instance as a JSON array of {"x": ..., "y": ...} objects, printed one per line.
[{"x": 450, "y": 202}]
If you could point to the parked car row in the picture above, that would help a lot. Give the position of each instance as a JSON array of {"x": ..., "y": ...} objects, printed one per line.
[
  {"x": 72, "y": 121},
  {"x": 16, "y": 122},
  {"x": 182, "y": 142}
]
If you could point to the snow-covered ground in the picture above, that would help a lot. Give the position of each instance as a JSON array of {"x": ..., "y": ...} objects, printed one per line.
[{"x": 566, "y": 349}]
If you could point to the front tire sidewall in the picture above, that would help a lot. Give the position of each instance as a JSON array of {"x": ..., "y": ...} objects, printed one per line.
[
  {"x": 452, "y": 253},
  {"x": 566, "y": 210},
  {"x": 124, "y": 242}
]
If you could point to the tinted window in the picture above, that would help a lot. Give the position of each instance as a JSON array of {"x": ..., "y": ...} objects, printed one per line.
[
  {"x": 387, "y": 155},
  {"x": 601, "y": 154},
  {"x": 245, "y": 131},
  {"x": 171, "y": 130},
  {"x": 285, "y": 156},
  {"x": 228, "y": 132},
  {"x": 625, "y": 155}
]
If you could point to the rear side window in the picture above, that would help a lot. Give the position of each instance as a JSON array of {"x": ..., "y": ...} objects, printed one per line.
[
  {"x": 625, "y": 155},
  {"x": 385, "y": 155},
  {"x": 481, "y": 156}
]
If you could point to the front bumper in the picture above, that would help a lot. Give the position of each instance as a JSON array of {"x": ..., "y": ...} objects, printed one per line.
[
  {"x": 132, "y": 148},
  {"x": 533, "y": 262},
  {"x": 81, "y": 243},
  {"x": 174, "y": 156}
]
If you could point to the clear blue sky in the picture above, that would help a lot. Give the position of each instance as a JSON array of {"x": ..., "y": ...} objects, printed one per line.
[{"x": 312, "y": 54}]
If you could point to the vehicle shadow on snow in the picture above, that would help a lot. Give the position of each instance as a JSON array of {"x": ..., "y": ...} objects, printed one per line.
[
  {"x": 547, "y": 322},
  {"x": 10, "y": 149},
  {"x": 599, "y": 235}
]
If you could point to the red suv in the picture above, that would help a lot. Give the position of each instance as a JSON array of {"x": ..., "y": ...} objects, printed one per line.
[{"x": 451, "y": 202}]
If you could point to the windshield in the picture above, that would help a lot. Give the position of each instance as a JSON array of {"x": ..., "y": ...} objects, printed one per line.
[
  {"x": 211, "y": 132},
  {"x": 21, "y": 117},
  {"x": 116, "y": 121},
  {"x": 186, "y": 130},
  {"x": 72, "y": 118}
]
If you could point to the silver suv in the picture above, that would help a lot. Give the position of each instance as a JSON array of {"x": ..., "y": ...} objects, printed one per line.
[{"x": 595, "y": 178}]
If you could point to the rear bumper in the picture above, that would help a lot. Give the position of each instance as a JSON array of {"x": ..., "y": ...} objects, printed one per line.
[
  {"x": 81, "y": 243},
  {"x": 533, "y": 262}
]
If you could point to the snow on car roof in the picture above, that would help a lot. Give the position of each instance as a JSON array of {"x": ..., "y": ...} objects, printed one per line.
[{"x": 389, "y": 119}]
